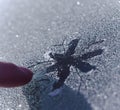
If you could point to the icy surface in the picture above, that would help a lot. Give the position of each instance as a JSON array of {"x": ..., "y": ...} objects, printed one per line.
[{"x": 29, "y": 28}]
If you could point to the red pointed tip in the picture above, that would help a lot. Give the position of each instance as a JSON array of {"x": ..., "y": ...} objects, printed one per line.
[{"x": 14, "y": 76}]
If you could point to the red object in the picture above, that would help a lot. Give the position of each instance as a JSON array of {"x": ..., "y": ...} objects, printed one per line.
[{"x": 13, "y": 76}]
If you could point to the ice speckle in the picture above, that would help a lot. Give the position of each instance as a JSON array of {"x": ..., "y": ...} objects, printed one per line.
[
  {"x": 78, "y": 3},
  {"x": 48, "y": 29},
  {"x": 1, "y": 57},
  {"x": 20, "y": 105},
  {"x": 104, "y": 39},
  {"x": 17, "y": 36},
  {"x": 105, "y": 49},
  {"x": 117, "y": 67},
  {"x": 105, "y": 97},
  {"x": 47, "y": 56},
  {"x": 119, "y": 1},
  {"x": 9, "y": 109}
]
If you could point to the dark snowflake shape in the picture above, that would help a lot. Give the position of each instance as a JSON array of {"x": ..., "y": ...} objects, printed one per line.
[{"x": 63, "y": 62}]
